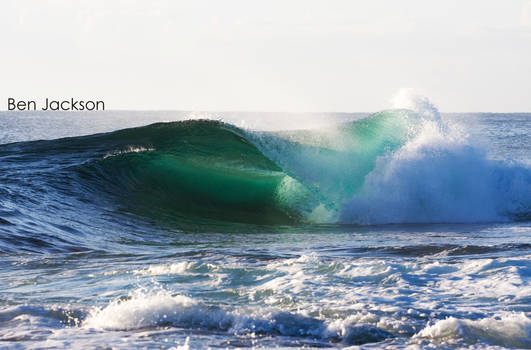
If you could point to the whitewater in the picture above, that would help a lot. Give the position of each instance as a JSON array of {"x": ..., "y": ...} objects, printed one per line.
[{"x": 403, "y": 228}]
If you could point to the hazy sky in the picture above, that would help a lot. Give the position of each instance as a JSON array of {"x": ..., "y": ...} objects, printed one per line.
[{"x": 270, "y": 55}]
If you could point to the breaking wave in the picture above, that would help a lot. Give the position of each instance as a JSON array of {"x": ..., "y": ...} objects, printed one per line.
[{"x": 406, "y": 165}]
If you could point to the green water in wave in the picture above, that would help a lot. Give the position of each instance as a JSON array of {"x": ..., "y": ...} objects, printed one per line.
[
  {"x": 200, "y": 170},
  {"x": 332, "y": 163}
]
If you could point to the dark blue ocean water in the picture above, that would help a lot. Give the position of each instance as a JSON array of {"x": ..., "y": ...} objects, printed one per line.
[{"x": 432, "y": 251}]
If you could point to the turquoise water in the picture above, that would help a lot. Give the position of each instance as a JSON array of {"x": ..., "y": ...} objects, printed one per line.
[{"x": 394, "y": 229}]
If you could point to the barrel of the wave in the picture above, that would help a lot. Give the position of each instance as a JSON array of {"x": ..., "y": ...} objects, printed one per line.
[{"x": 196, "y": 171}]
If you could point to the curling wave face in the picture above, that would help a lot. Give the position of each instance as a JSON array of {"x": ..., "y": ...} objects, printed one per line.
[{"x": 396, "y": 166}]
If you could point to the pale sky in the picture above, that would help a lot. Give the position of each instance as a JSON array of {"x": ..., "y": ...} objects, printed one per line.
[{"x": 270, "y": 55}]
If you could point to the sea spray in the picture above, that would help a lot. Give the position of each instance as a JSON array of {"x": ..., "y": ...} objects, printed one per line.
[
  {"x": 331, "y": 163},
  {"x": 440, "y": 175}
]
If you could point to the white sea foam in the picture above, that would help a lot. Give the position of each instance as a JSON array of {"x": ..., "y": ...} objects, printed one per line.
[
  {"x": 500, "y": 279},
  {"x": 511, "y": 330},
  {"x": 165, "y": 269},
  {"x": 150, "y": 309},
  {"x": 129, "y": 149},
  {"x": 386, "y": 292},
  {"x": 315, "y": 298},
  {"x": 140, "y": 310},
  {"x": 369, "y": 298},
  {"x": 440, "y": 175}
]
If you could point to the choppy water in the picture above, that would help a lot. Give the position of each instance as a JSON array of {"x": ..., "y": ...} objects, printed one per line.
[{"x": 402, "y": 229}]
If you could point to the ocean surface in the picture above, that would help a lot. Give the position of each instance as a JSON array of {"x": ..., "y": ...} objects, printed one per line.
[{"x": 398, "y": 229}]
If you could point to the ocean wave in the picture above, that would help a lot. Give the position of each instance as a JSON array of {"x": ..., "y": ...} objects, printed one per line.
[
  {"x": 159, "y": 308},
  {"x": 441, "y": 176},
  {"x": 429, "y": 301},
  {"x": 396, "y": 166},
  {"x": 507, "y": 330}
]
